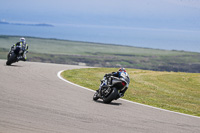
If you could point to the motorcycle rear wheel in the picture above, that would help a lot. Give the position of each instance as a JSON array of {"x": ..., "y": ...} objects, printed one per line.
[{"x": 111, "y": 97}]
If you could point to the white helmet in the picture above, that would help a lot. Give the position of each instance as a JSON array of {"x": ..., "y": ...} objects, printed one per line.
[{"x": 23, "y": 40}]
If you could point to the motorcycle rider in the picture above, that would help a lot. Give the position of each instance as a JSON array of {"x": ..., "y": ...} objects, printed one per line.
[
  {"x": 22, "y": 43},
  {"x": 107, "y": 77}
]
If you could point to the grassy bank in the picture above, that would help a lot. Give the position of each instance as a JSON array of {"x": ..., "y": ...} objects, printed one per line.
[
  {"x": 178, "y": 92},
  {"x": 104, "y": 55}
]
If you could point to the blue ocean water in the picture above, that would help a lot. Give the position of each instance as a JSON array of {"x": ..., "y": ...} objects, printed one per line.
[{"x": 168, "y": 39}]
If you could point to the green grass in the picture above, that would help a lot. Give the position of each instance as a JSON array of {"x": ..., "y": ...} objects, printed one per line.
[
  {"x": 53, "y": 46},
  {"x": 178, "y": 92},
  {"x": 104, "y": 55}
]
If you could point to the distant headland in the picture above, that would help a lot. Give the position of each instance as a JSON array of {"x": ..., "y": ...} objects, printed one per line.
[{"x": 23, "y": 24}]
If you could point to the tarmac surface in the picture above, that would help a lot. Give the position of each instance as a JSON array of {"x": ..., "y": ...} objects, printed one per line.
[{"x": 34, "y": 100}]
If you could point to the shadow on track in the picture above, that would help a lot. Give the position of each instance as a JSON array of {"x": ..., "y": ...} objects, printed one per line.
[
  {"x": 112, "y": 103},
  {"x": 12, "y": 65}
]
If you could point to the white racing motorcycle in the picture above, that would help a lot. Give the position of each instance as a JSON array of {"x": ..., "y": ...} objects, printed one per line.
[{"x": 111, "y": 88}]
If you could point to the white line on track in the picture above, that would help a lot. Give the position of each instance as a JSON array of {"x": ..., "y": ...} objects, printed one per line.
[{"x": 59, "y": 76}]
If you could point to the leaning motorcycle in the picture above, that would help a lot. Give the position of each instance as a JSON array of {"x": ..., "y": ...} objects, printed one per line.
[
  {"x": 13, "y": 55},
  {"x": 111, "y": 87}
]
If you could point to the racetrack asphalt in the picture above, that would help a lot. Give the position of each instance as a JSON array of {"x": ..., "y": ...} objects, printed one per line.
[{"x": 34, "y": 100}]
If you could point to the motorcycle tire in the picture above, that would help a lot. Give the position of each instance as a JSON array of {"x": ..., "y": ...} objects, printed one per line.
[
  {"x": 11, "y": 59},
  {"x": 95, "y": 97},
  {"x": 111, "y": 97}
]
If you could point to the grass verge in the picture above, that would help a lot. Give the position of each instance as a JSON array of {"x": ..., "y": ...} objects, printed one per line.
[
  {"x": 104, "y": 55},
  {"x": 173, "y": 91}
]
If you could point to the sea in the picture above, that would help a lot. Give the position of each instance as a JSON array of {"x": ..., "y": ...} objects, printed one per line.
[{"x": 166, "y": 39}]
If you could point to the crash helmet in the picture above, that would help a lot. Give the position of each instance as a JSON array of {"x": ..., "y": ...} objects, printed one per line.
[
  {"x": 122, "y": 70},
  {"x": 23, "y": 40}
]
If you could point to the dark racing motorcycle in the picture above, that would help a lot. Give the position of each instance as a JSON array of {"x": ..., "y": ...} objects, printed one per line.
[
  {"x": 13, "y": 55},
  {"x": 111, "y": 87}
]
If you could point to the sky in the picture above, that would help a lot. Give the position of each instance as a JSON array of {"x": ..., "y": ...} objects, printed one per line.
[
  {"x": 144, "y": 13},
  {"x": 172, "y": 15}
]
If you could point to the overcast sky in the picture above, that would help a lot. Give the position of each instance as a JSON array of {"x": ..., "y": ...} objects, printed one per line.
[{"x": 147, "y": 13}]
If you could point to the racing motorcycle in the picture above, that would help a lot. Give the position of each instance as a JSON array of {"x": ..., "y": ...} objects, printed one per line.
[
  {"x": 111, "y": 87},
  {"x": 13, "y": 55}
]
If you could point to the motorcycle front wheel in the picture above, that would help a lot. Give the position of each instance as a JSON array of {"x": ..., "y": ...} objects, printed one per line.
[
  {"x": 11, "y": 59},
  {"x": 95, "y": 97}
]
